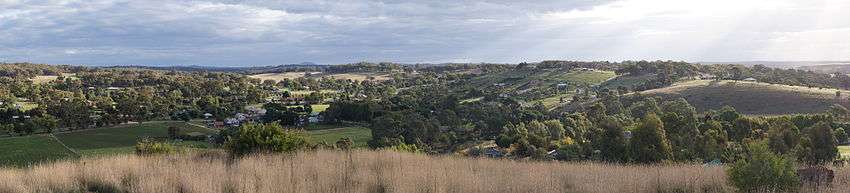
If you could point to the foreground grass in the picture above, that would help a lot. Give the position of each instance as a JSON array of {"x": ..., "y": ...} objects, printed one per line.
[{"x": 357, "y": 171}]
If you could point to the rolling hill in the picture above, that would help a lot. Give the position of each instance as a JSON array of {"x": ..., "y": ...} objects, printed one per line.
[{"x": 753, "y": 97}]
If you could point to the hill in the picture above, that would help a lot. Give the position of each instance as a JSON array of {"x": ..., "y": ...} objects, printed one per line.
[
  {"x": 753, "y": 97},
  {"x": 841, "y": 68}
]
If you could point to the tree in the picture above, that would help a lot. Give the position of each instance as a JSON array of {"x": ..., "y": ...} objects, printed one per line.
[
  {"x": 762, "y": 170},
  {"x": 819, "y": 146},
  {"x": 612, "y": 143},
  {"x": 714, "y": 140},
  {"x": 556, "y": 129},
  {"x": 649, "y": 142},
  {"x": 783, "y": 136},
  {"x": 270, "y": 137},
  {"x": 841, "y": 135},
  {"x": 681, "y": 123},
  {"x": 839, "y": 111},
  {"x": 46, "y": 123}
]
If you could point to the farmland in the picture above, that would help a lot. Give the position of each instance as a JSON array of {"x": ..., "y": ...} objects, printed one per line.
[
  {"x": 359, "y": 135},
  {"x": 753, "y": 97},
  {"x": 31, "y": 149},
  {"x": 99, "y": 141},
  {"x": 120, "y": 138}
]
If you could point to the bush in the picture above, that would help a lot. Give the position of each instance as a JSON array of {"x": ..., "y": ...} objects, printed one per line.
[
  {"x": 403, "y": 147},
  {"x": 151, "y": 147},
  {"x": 263, "y": 138},
  {"x": 762, "y": 170}
]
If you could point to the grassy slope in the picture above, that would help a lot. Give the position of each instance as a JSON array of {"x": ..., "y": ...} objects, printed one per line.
[
  {"x": 359, "y": 135},
  {"x": 627, "y": 81},
  {"x": 752, "y": 97},
  {"x": 29, "y": 149}
]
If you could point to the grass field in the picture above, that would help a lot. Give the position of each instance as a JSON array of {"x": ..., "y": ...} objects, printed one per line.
[
  {"x": 753, "y": 97},
  {"x": 627, "y": 81},
  {"x": 120, "y": 139},
  {"x": 46, "y": 79},
  {"x": 277, "y": 77},
  {"x": 529, "y": 78},
  {"x": 31, "y": 149},
  {"x": 359, "y": 135}
]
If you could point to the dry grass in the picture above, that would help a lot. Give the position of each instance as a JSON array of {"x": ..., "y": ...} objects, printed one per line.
[
  {"x": 753, "y": 97},
  {"x": 277, "y": 77},
  {"x": 359, "y": 171}
]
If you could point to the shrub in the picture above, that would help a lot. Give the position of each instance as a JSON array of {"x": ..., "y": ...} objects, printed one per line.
[
  {"x": 151, "y": 147},
  {"x": 403, "y": 147},
  {"x": 271, "y": 137},
  {"x": 762, "y": 170}
]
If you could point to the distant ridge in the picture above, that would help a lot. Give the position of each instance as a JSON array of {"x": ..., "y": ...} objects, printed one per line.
[{"x": 781, "y": 64}]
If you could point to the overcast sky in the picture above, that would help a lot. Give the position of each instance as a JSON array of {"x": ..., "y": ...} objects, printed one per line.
[{"x": 250, "y": 33}]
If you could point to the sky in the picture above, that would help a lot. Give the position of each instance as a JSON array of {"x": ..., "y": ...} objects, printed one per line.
[{"x": 274, "y": 32}]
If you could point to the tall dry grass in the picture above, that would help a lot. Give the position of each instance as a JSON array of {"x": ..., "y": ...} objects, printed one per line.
[{"x": 359, "y": 171}]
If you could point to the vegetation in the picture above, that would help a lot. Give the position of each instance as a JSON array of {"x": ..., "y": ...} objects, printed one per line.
[
  {"x": 266, "y": 138},
  {"x": 21, "y": 151},
  {"x": 630, "y": 114},
  {"x": 763, "y": 171}
]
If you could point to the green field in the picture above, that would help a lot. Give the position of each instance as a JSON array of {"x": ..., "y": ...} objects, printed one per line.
[
  {"x": 18, "y": 151},
  {"x": 360, "y": 135},
  {"x": 31, "y": 149},
  {"x": 120, "y": 139}
]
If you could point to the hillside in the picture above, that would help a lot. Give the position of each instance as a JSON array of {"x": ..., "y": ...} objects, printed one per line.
[{"x": 753, "y": 97}]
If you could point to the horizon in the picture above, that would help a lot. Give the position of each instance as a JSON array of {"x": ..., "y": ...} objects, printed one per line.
[{"x": 257, "y": 33}]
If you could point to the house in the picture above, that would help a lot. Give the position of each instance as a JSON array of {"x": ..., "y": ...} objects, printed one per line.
[
  {"x": 561, "y": 86},
  {"x": 750, "y": 79},
  {"x": 553, "y": 154}
]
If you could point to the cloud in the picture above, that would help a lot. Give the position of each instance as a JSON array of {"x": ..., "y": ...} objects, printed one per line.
[{"x": 254, "y": 32}]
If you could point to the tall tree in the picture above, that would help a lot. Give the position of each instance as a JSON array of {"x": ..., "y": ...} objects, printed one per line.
[{"x": 649, "y": 142}]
